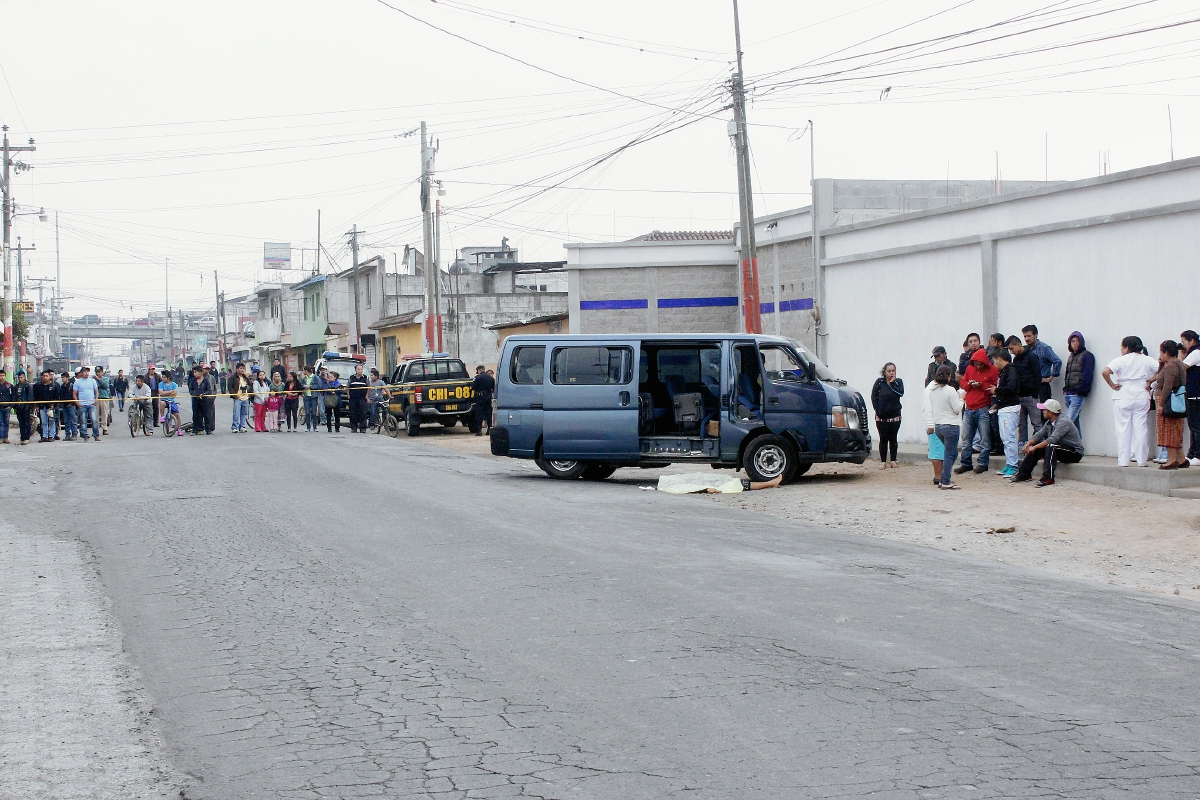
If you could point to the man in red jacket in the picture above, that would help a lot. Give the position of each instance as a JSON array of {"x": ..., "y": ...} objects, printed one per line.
[{"x": 979, "y": 377}]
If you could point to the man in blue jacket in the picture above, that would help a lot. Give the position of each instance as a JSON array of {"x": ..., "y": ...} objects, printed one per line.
[{"x": 1049, "y": 362}]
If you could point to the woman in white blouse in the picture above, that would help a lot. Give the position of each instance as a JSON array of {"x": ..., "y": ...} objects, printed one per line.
[{"x": 1129, "y": 377}]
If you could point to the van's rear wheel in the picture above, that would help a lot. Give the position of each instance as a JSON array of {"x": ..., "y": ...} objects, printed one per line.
[
  {"x": 769, "y": 457},
  {"x": 598, "y": 472},
  {"x": 562, "y": 470}
]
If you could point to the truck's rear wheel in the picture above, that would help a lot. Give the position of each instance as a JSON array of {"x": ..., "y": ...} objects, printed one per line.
[
  {"x": 412, "y": 422},
  {"x": 769, "y": 457},
  {"x": 598, "y": 472},
  {"x": 562, "y": 470}
]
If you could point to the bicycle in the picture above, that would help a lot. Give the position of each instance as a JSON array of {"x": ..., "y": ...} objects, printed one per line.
[
  {"x": 137, "y": 417},
  {"x": 170, "y": 426}
]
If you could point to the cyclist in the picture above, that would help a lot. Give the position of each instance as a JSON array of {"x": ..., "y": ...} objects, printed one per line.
[
  {"x": 167, "y": 392},
  {"x": 139, "y": 403}
]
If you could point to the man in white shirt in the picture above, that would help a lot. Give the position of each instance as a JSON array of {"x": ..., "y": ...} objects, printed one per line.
[
  {"x": 1129, "y": 377},
  {"x": 1192, "y": 361},
  {"x": 86, "y": 390}
]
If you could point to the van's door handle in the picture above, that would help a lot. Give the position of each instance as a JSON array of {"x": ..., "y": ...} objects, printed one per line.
[
  {"x": 624, "y": 396},
  {"x": 536, "y": 406},
  {"x": 774, "y": 401}
]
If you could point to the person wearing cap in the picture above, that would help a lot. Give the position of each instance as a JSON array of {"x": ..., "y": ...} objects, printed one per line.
[
  {"x": 1058, "y": 440},
  {"x": 84, "y": 393},
  {"x": 23, "y": 396},
  {"x": 939, "y": 358},
  {"x": 8, "y": 394}
]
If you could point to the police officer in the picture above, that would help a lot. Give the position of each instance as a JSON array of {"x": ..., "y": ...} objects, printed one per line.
[
  {"x": 484, "y": 387},
  {"x": 357, "y": 388}
]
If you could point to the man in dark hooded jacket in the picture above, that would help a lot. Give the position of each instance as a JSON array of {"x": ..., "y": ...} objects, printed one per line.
[{"x": 1077, "y": 377}]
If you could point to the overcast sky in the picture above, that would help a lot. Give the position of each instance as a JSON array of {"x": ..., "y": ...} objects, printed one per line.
[{"x": 195, "y": 133}]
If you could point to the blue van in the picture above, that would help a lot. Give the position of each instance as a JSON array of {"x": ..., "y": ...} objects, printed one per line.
[{"x": 582, "y": 406}]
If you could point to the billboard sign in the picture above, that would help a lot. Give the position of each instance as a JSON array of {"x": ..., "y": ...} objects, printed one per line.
[{"x": 277, "y": 255}]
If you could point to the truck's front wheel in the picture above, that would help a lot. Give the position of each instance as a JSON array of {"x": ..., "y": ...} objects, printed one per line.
[{"x": 769, "y": 457}]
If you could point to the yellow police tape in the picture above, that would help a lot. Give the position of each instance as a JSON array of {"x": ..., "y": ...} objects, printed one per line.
[{"x": 246, "y": 395}]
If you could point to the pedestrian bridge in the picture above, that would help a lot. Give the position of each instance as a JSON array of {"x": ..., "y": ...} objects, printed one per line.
[{"x": 126, "y": 329}]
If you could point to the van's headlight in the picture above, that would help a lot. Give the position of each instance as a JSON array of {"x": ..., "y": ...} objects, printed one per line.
[{"x": 845, "y": 417}]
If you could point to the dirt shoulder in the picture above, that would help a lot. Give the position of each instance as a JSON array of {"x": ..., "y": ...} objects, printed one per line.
[{"x": 1133, "y": 539}]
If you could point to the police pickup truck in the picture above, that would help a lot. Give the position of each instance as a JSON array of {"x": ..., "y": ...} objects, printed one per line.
[{"x": 432, "y": 388}]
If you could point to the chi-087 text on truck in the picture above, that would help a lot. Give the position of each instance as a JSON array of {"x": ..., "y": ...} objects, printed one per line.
[{"x": 432, "y": 388}]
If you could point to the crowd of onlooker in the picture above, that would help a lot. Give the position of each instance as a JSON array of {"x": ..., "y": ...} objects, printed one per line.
[{"x": 997, "y": 401}]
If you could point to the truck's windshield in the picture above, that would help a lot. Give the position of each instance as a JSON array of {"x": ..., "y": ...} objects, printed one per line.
[
  {"x": 822, "y": 372},
  {"x": 343, "y": 367},
  {"x": 443, "y": 369}
]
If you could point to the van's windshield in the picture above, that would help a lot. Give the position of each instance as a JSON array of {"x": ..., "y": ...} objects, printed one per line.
[{"x": 822, "y": 372}]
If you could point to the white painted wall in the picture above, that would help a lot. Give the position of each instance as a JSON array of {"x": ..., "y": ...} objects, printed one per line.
[
  {"x": 897, "y": 309},
  {"x": 1109, "y": 257}
]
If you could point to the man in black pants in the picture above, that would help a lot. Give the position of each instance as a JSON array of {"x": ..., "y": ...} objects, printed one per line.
[
  {"x": 357, "y": 388},
  {"x": 197, "y": 388},
  {"x": 483, "y": 387},
  {"x": 1057, "y": 440}
]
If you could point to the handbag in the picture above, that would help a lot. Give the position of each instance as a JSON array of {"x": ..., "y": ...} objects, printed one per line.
[
  {"x": 331, "y": 399},
  {"x": 1175, "y": 404}
]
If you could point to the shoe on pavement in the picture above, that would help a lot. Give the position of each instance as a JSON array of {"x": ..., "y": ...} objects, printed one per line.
[
  {"x": 1195, "y": 462},
  {"x": 1043, "y": 482},
  {"x": 961, "y": 469},
  {"x": 980, "y": 470},
  {"x": 1018, "y": 479}
]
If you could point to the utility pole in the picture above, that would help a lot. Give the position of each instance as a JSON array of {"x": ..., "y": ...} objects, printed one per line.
[
  {"x": 433, "y": 320},
  {"x": 751, "y": 317},
  {"x": 21, "y": 268},
  {"x": 317, "y": 271},
  {"x": 220, "y": 318},
  {"x": 54, "y": 311},
  {"x": 354, "y": 287},
  {"x": 10, "y": 166},
  {"x": 815, "y": 246},
  {"x": 167, "y": 303}
]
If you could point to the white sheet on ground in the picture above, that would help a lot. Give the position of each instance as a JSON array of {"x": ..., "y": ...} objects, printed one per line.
[{"x": 698, "y": 482}]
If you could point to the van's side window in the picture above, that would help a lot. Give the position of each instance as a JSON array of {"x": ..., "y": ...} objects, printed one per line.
[
  {"x": 527, "y": 365},
  {"x": 591, "y": 366},
  {"x": 416, "y": 371},
  {"x": 782, "y": 364}
]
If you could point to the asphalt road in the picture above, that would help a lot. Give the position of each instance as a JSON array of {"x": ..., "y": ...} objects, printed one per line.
[{"x": 346, "y": 616}]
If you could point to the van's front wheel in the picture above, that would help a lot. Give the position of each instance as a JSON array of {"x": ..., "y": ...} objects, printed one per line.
[
  {"x": 769, "y": 457},
  {"x": 562, "y": 470}
]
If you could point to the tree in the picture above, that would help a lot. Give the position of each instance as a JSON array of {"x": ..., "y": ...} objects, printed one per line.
[{"x": 20, "y": 329}]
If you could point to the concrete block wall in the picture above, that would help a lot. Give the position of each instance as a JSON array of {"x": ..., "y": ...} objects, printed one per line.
[{"x": 794, "y": 305}]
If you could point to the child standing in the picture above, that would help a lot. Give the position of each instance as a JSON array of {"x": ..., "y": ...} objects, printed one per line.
[{"x": 274, "y": 403}]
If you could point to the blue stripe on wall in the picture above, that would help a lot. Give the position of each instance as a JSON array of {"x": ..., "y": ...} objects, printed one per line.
[
  {"x": 610, "y": 305},
  {"x": 800, "y": 304},
  {"x": 696, "y": 302}
]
